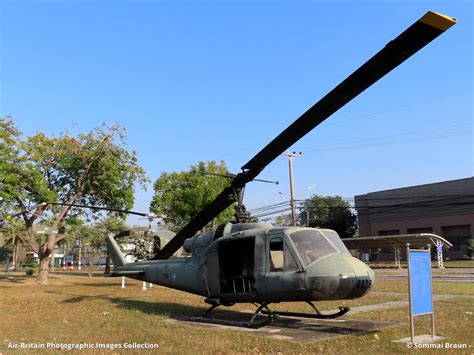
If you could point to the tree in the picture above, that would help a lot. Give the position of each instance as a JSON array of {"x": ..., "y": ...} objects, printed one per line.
[
  {"x": 110, "y": 224},
  {"x": 92, "y": 169},
  {"x": 14, "y": 238},
  {"x": 105, "y": 226},
  {"x": 92, "y": 243},
  {"x": 331, "y": 212},
  {"x": 182, "y": 195},
  {"x": 11, "y": 162},
  {"x": 284, "y": 220},
  {"x": 72, "y": 227},
  {"x": 93, "y": 238},
  {"x": 470, "y": 248}
]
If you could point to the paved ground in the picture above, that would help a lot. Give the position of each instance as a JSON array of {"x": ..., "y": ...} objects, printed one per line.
[
  {"x": 448, "y": 274},
  {"x": 303, "y": 330},
  {"x": 396, "y": 304},
  {"x": 291, "y": 328}
]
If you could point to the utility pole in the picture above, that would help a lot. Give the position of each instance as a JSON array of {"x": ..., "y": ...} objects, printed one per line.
[{"x": 292, "y": 192}]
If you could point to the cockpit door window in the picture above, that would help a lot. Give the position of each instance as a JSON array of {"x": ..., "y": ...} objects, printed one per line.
[{"x": 279, "y": 256}]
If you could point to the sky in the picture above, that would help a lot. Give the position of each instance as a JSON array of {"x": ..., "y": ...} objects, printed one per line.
[{"x": 217, "y": 80}]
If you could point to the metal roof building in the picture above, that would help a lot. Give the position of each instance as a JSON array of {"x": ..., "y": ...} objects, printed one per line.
[{"x": 443, "y": 208}]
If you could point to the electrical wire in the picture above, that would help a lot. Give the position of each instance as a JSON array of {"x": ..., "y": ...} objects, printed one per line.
[
  {"x": 343, "y": 146},
  {"x": 394, "y": 135},
  {"x": 362, "y": 116},
  {"x": 301, "y": 205}
]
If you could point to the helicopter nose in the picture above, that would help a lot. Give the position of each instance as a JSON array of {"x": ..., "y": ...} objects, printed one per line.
[
  {"x": 339, "y": 277},
  {"x": 364, "y": 278}
]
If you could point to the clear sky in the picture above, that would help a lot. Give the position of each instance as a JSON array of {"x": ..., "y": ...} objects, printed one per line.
[{"x": 202, "y": 80}]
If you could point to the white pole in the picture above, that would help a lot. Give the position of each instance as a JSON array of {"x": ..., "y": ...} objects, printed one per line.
[
  {"x": 79, "y": 263},
  {"x": 431, "y": 285},
  {"x": 150, "y": 285},
  {"x": 123, "y": 281},
  {"x": 144, "y": 286},
  {"x": 439, "y": 254},
  {"x": 64, "y": 257},
  {"x": 412, "y": 323}
]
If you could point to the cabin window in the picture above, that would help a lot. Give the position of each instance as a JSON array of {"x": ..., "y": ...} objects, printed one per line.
[{"x": 280, "y": 257}]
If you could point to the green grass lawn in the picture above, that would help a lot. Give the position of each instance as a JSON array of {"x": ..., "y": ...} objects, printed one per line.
[{"x": 74, "y": 308}]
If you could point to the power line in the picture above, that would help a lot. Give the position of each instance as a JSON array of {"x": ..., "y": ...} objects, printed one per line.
[
  {"x": 434, "y": 203},
  {"x": 343, "y": 146},
  {"x": 272, "y": 213},
  {"x": 393, "y": 135},
  {"x": 273, "y": 205},
  {"x": 362, "y": 116},
  {"x": 400, "y": 106}
]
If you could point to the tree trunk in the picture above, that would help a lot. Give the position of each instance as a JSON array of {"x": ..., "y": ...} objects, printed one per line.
[
  {"x": 51, "y": 262},
  {"x": 17, "y": 252},
  {"x": 107, "y": 264},
  {"x": 90, "y": 269},
  {"x": 42, "y": 278}
]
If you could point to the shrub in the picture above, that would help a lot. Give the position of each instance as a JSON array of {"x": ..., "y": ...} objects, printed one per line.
[
  {"x": 31, "y": 267},
  {"x": 31, "y": 264}
]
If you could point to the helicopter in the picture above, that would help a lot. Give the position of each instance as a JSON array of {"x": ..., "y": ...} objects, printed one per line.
[{"x": 260, "y": 263}]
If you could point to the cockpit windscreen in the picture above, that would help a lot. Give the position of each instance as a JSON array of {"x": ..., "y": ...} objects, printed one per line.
[
  {"x": 311, "y": 245},
  {"x": 336, "y": 240}
]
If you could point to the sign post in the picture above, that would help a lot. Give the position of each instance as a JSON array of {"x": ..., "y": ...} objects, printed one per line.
[{"x": 420, "y": 286}]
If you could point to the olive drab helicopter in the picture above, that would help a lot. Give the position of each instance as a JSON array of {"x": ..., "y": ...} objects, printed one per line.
[{"x": 260, "y": 263}]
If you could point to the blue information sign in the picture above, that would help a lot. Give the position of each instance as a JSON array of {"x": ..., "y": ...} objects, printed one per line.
[{"x": 420, "y": 282}]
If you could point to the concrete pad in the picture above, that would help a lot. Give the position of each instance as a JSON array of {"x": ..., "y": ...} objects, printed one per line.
[{"x": 300, "y": 330}]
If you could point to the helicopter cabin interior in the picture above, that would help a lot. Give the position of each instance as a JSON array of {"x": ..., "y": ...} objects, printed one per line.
[
  {"x": 237, "y": 262},
  {"x": 236, "y": 265}
]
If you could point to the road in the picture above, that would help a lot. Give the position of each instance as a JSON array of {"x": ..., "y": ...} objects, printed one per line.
[{"x": 448, "y": 274}]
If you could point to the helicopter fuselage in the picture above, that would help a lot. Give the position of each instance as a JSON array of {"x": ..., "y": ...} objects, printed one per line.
[{"x": 258, "y": 262}]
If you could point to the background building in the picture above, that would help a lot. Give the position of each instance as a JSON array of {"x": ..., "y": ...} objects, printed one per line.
[{"x": 444, "y": 208}]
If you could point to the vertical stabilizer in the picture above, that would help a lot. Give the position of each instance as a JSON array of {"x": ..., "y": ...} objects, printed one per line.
[{"x": 115, "y": 252}]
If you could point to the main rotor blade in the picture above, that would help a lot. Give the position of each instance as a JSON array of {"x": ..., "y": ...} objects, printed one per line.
[
  {"x": 422, "y": 32},
  {"x": 98, "y": 208},
  {"x": 418, "y": 35},
  {"x": 220, "y": 203}
]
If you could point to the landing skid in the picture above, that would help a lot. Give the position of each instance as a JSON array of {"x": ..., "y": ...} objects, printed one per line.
[
  {"x": 262, "y": 308},
  {"x": 317, "y": 315},
  {"x": 253, "y": 323}
]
